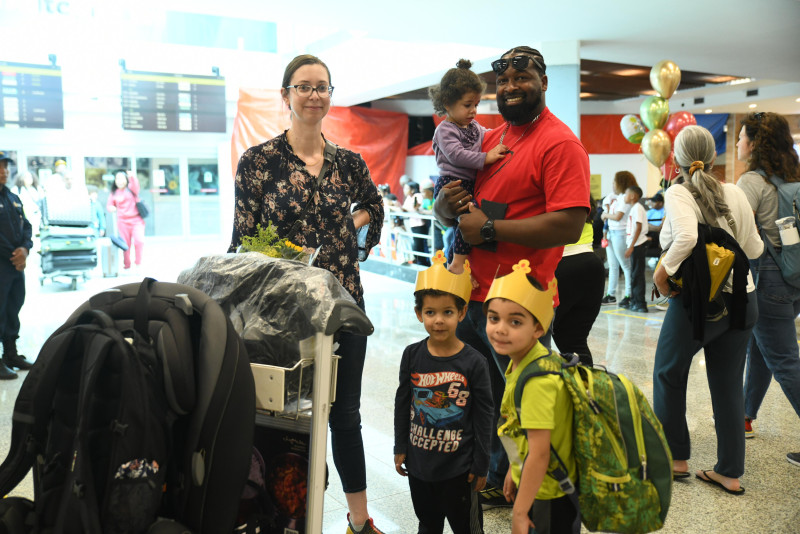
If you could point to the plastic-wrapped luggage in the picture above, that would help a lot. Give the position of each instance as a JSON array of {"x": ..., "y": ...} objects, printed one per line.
[
  {"x": 275, "y": 304},
  {"x": 67, "y": 208}
]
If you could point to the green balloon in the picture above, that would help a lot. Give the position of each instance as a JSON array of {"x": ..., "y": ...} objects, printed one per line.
[{"x": 654, "y": 112}]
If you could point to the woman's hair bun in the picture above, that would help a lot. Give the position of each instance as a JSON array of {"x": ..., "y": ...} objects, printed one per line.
[{"x": 464, "y": 64}]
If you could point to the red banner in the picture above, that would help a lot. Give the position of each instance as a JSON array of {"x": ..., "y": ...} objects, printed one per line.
[
  {"x": 381, "y": 137},
  {"x": 601, "y": 134}
]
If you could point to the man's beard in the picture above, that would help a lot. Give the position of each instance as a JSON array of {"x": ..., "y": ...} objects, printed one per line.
[{"x": 522, "y": 112}]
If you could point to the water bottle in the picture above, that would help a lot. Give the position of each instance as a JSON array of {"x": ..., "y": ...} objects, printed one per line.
[{"x": 788, "y": 231}]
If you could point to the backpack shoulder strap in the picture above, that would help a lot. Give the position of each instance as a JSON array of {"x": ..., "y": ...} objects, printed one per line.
[
  {"x": 540, "y": 367},
  {"x": 532, "y": 370},
  {"x": 556, "y": 468},
  {"x": 32, "y": 410}
]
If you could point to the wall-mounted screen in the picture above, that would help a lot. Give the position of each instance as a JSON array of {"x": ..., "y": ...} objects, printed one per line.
[
  {"x": 31, "y": 96},
  {"x": 173, "y": 102}
]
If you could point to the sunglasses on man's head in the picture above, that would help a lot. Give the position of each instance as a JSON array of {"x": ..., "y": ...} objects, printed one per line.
[{"x": 518, "y": 62}]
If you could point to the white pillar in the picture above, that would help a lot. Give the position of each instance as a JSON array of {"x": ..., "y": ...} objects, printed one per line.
[{"x": 564, "y": 81}]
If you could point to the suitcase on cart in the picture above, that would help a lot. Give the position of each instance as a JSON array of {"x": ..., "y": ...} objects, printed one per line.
[
  {"x": 67, "y": 250},
  {"x": 67, "y": 208}
]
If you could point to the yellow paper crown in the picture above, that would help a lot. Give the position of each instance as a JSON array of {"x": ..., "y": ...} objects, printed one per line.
[
  {"x": 516, "y": 288},
  {"x": 437, "y": 277}
]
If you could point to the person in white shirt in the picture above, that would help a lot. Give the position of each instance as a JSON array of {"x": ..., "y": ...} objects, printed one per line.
[
  {"x": 635, "y": 240},
  {"x": 615, "y": 211},
  {"x": 724, "y": 342}
]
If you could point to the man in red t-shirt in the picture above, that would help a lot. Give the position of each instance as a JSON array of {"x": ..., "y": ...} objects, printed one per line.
[{"x": 529, "y": 204}]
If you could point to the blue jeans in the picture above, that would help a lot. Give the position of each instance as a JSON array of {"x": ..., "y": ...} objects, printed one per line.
[
  {"x": 773, "y": 347},
  {"x": 725, "y": 352},
  {"x": 617, "y": 259},
  {"x": 449, "y": 238},
  {"x": 345, "y": 418},
  {"x": 472, "y": 331}
]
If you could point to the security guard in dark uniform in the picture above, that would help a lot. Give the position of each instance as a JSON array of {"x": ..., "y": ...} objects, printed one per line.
[{"x": 15, "y": 243}]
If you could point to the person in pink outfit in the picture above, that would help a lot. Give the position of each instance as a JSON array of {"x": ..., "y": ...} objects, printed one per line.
[{"x": 124, "y": 194}]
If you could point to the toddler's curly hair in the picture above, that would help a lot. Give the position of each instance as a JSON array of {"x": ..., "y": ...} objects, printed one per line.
[{"x": 455, "y": 84}]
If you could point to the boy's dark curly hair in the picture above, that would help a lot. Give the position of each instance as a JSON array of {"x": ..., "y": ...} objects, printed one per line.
[{"x": 455, "y": 84}]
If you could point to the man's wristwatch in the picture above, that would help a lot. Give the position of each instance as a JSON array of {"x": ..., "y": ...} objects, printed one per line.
[{"x": 488, "y": 233}]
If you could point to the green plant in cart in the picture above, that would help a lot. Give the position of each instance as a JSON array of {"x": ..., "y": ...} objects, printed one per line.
[{"x": 268, "y": 242}]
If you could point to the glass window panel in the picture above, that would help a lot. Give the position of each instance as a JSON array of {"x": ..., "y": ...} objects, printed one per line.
[
  {"x": 160, "y": 190},
  {"x": 204, "y": 208},
  {"x": 99, "y": 171},
  {"x": 43, "y": 168}
]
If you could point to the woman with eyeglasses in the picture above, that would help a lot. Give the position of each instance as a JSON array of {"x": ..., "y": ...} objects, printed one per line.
[
  {"x": 687, "y": 326},
  {"x": 766, "y": 145},
  {"x": 306, "y": 186}
]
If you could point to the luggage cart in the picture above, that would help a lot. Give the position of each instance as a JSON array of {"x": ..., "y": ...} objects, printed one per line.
[
  {"x": 288, "y": 314},
  {"x": 68, "y": 246},
  {"x": 273, "y": 412},
  {"x": 67, "y": 251}
]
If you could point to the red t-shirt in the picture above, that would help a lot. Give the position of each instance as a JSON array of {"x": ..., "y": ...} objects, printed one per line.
[{"x": 549, "y": 171}]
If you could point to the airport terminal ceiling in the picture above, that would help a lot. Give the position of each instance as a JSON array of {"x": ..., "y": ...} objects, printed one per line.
[{"x": 377, "y": 51}]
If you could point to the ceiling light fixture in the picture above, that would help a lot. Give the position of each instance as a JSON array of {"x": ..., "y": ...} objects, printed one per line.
[
  {"x": 797, "y": 99},
  {"x": 709, "y": 110},
  {"x": 752, "y": 106},
  {"x": 628, "y": 72}
]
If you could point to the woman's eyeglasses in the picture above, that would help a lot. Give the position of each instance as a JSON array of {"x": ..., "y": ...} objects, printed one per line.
[
  {"x": 518, "y": 62},
  {"x": 323, "y": 90}
]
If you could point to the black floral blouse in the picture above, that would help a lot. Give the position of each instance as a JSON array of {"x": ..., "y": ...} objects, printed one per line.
[{"x": 273, "y": 184}]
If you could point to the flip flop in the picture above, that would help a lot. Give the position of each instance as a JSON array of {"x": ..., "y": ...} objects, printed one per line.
[
  {"x": 677, "y": 475},
  {"x": 707, "y": 479}
]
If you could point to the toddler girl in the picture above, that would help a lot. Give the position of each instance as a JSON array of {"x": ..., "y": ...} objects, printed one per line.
[{"x": 458, "y": 139}]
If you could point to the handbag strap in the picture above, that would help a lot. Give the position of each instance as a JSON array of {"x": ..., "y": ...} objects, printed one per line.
[
  {"x": 329, "y": 154},
  {"x": 135, "y": 196}
]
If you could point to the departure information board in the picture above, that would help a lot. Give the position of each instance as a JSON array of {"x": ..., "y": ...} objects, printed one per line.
[
  {"x": 31, "y": 96},
  {"x": 173, "y": 102}
]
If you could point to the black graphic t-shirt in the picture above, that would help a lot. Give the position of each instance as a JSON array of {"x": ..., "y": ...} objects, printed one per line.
[{"x": 443, "y": 413}]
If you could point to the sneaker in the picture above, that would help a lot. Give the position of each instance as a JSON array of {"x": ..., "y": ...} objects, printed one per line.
[
  {"x": 641, "y": 308},
  {"x": 661, "y": 307},
  {"x": 608, "y": 299},
  {"x": 492, "y": 497},
  {"x": 793, "y": 458},
  {"x": 748, "y": 428},
  {"x": 625, "y": 303},
  {"x": 368, "y": 528}
]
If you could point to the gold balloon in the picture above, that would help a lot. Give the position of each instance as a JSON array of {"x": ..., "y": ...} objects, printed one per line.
[
  {"x": 656, "y": 146},
  {"x": 655, "y": 112},
  {"x": 665, "y": 76}
]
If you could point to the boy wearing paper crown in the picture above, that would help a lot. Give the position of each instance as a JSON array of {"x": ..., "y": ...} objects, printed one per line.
[
  {"x": 443, "y": 413},
  {"x": 517, "y": 315}
]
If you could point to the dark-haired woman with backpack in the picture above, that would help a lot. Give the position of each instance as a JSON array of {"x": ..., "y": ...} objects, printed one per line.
[{"x": 766, "y": 145}]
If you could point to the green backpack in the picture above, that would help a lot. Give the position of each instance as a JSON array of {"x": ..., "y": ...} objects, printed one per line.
[{"x": 623, "y": 460}]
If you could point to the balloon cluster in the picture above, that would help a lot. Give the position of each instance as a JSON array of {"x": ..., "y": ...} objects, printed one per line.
[{"x": 665, "y": 76}]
